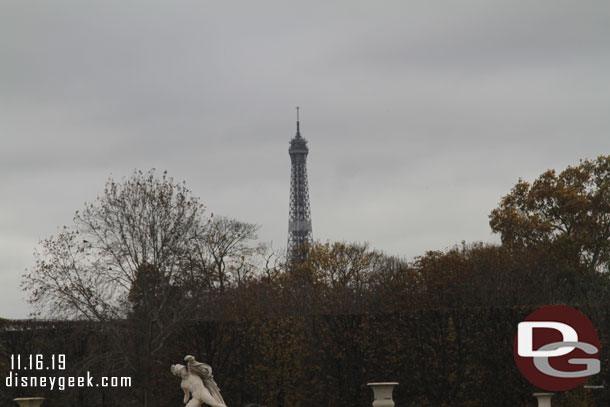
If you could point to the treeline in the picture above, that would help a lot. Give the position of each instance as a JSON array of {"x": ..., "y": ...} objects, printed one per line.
[
  {"x": 458, "y": 357},
  {"x": 441, "y": 326},
  {"x": 341, "y": 278},
  {"x": 144, "y": 277}
]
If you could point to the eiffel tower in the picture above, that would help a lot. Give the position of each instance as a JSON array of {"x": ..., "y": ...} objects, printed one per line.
[{"x": 299, "y": 218}]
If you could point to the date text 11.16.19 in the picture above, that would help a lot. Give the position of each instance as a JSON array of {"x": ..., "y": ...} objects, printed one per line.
[{"x": 38, "y": 362}]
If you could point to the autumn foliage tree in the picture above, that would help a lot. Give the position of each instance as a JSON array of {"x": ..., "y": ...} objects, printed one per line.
[{"x": 568, "y": 212}]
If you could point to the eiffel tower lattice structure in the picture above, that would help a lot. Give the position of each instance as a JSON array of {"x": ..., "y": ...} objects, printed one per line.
[{"x": 299, "y": 220}]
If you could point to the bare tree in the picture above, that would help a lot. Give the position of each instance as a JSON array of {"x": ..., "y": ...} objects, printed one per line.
[
  {"x": 225, "y": 247},
  {"x": 127, "y": 262},
  {"x": 88, "y": 270}
]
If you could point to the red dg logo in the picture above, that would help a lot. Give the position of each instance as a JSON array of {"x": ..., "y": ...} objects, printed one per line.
[{"x": 556, "y": 348}]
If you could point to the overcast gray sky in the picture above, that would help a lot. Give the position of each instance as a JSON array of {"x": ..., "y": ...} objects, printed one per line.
[{"x": 420, "y": 115}]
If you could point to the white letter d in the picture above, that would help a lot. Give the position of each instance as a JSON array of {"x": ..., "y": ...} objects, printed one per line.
[{"x": 526, "y": 342}]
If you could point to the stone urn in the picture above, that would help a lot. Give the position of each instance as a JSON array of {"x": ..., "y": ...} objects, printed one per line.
[
  {"x": 544, "y": 399},
  {"x": 29, "y": 401},
  {"x": 382, "y": 394}
]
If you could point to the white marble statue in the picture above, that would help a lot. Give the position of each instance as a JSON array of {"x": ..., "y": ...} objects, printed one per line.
[{"x": 198, "y": 382}]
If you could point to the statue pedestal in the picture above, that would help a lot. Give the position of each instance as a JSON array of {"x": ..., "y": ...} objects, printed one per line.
[
  {"x": 382, "y": 393},
  {"x": 29, "y": 401},
  {"x": 544, "y": 399}
]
